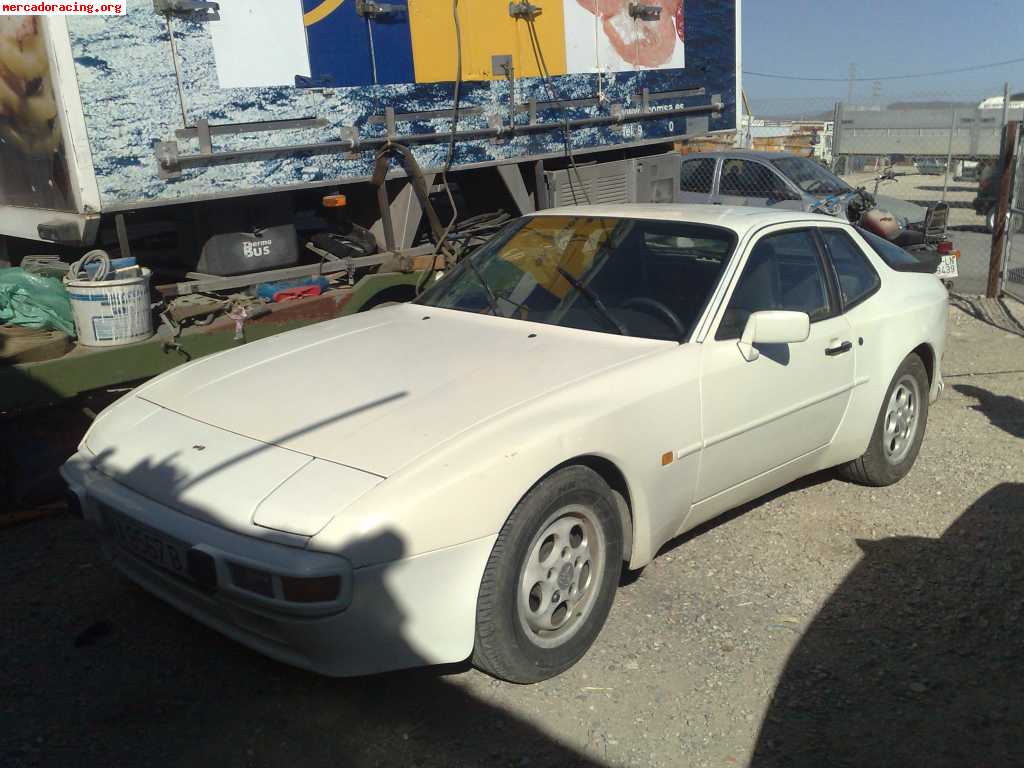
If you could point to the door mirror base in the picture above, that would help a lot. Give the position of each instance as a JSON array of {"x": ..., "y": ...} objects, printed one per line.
[{"x": 749, "y": 351}]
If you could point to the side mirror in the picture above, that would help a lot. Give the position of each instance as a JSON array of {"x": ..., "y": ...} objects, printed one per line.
[{"x": 773, "y": 327}]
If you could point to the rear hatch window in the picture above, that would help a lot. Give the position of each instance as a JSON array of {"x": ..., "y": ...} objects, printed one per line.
[{"x": 900, "y": 259}]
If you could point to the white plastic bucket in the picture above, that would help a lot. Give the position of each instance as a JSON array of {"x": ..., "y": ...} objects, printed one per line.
[{"x": 109, "y": 313}]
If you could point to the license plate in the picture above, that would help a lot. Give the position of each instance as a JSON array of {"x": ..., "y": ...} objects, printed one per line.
[
  {"x": 150, "y": 545},
  {"x": 948, "y": 266}
]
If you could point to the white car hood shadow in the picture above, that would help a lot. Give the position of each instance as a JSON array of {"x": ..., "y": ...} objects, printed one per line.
[{"x": 377, "y": 390}]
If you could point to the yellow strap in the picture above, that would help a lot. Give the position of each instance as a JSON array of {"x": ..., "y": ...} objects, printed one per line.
[{"x": 322, "y": 11}]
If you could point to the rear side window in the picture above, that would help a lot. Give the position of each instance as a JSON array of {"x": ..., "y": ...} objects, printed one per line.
[
  {"x": 857, "y": 278},
  {"x": 697, "y": 174},
  {"x": 891, "y": 254}
]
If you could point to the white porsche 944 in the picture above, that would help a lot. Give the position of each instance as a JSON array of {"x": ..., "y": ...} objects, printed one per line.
[{"x": 465, "y": 476}]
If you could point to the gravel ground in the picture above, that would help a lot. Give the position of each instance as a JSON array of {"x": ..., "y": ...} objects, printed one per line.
[{"x": 827, "y": 624}]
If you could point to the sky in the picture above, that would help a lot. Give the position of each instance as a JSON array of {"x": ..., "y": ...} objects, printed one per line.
[{"x": 882, "y": 37}]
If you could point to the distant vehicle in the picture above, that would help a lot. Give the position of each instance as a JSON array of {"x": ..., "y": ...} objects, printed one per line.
[
  {"x": 930, "y": 166},
  {"x": 996, "y": 102},
  {"x": 589, "y": 384},
  {"x": 780, "y": 180},
  {"x": 987, "y": 199},
  {"x": 775, "y": 179},
  {"x": 968, "y": 170}
]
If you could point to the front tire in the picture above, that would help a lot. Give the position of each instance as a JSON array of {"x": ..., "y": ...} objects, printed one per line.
[
  {"x": 551, "y": 578},
  {"x": 899, "y": 429}
]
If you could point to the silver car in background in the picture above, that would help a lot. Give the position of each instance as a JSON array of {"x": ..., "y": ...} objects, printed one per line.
[{"x": 779, "y": 180}]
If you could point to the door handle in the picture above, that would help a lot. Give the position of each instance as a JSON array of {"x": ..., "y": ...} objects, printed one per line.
[{"x": 846, "y": 346}]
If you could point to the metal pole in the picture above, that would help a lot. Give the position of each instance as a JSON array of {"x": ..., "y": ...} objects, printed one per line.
[
  {"x": 1006, "y": 103},
  {"x": 123, "y": 244},
  {"x": 1014, "y": 216},
  {"x": 999, "y": 233},
  {"x": 837, "y": 133},
  {"x": 177, "y": 73},
  {"x": 949, "y": 157},
  {"x": 375, "y": 142},
  {"x": 540, "y": 184}
]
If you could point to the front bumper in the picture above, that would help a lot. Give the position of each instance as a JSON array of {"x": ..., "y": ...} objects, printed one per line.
[{"x": 406, "y": 613}]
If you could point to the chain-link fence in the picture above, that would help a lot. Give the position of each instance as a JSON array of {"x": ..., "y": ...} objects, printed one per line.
[
  {"x": 931, "y": 151},
  {"x": 1013, "y": 255}
]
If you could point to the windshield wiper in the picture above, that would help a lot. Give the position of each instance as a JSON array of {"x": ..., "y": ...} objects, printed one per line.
[
  {"x": 492, "y": 300},
  {"x": 592, "y": 298}
]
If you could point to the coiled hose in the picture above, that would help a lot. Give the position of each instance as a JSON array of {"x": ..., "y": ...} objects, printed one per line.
[{"x": 78, "y": 270}]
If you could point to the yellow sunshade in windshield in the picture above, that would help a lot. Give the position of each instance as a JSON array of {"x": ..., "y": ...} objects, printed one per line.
[{"x": 550, "y": 241}]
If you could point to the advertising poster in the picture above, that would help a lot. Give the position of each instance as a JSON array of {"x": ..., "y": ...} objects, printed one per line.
[
  {"x": 337, "y": 43},
  {"x": 33, "y": 166}
]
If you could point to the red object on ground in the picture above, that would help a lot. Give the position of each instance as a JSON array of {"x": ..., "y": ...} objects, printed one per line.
[{"x": 298, "y": 292}]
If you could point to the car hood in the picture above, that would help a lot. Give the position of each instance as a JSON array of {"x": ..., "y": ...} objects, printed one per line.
[{"x": 377, "y": 390}]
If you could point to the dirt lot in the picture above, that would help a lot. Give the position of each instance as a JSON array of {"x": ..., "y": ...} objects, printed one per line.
[{"x": 827, "y": 624}]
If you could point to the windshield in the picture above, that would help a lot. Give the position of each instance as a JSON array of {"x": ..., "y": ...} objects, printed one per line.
[
  {"x": 624, "y": 276},
  {"x": 811, "y": 177}
]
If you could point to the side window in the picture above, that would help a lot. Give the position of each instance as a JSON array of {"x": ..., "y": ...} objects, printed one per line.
[
  {"x": 782, "y": 272},
  {"x": 857, "y": 278},
  {"x": 745, "y": 178},
  {"x": 697, "y": 174}
]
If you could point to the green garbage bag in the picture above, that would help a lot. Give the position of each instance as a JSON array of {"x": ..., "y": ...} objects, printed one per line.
[{"x": 32, "y": 301}]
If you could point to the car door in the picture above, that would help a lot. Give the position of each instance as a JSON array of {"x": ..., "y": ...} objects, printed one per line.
[
  {"x": 749, "y": 182},
  {"x": 761, "y": 415}
]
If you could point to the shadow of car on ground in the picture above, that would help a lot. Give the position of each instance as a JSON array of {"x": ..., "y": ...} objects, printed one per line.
[
  {"x": 916, "y": 658},
  {"x": 1003, "y": 411}
]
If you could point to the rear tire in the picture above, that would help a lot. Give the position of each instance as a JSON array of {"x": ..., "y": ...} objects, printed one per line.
[
  {"x": 551, "y": 578},
  {"x": 899, "y": 429}
]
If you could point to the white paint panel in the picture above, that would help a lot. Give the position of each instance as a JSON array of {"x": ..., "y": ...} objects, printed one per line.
[
  {"x": 256, "y": 43},
  {"x": 207, "y": 473},
  {"x": 384, "y": 386},
  {"x": 309, "y": 498}
]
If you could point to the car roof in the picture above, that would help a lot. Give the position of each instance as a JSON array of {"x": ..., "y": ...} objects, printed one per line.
[
  {"x": 746, "y": 154},
  {"x": 741, "y": 219}
]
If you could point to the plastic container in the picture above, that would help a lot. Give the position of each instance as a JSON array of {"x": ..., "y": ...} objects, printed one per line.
[
  {"x": 109, "y": 313},
  {"x": 269, "y": 290}
]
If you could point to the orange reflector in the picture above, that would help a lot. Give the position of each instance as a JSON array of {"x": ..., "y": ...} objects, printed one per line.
[
  {"x": 666, "y": 459},
  {"x": 334, "y": 201}
]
